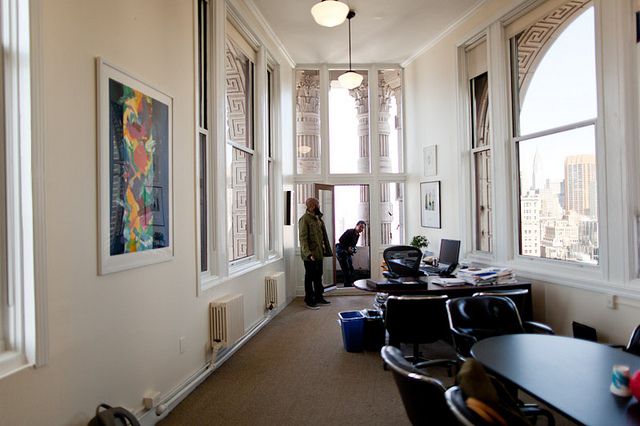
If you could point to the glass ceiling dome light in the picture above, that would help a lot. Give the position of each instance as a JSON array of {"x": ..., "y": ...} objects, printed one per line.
[
  {"x": 329, "y": 13},
  {"x": 350, "y": 79}
]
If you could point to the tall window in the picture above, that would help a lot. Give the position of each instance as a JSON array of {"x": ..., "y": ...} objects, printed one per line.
[
  {"x": 239, "y": 95},
  {"x": 308, "y": 121},
  {"x": 17, "y": 274},
  {"x": 271, "y": 225},
  {"x": 348, "y": 126},
  {"x": 555, "y": 111},
  {"x": 203, "y": 130},
  {"x": 481, "y": 166}
]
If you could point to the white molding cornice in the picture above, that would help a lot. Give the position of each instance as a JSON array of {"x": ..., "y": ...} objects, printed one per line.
[
  {"x": 442, "y": 35},
  {"x": 267, "y": 28}
]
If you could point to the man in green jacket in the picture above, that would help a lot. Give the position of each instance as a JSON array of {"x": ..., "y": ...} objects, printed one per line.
[{"x": 314, "y": 245}]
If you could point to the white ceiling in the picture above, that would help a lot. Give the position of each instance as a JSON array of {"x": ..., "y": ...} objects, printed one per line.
[{"x": 382, "y": 31}]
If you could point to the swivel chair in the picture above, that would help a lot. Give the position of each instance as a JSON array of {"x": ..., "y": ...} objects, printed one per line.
[
  {"x": 475, "y": 318},
  {"x": 633, "y": 346},
  {"x": 422, "y": 395},
  {"x": 402, "y": 261},
  {"x": 415, "y": 320}
]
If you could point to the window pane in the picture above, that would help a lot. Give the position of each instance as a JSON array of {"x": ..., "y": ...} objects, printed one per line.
[
  {"x": 271, "y": 226},
  {"x": 390, "y": 120},
  {"x": 556, "y": 70},
  {"x": 558, "y": 201},
  {"x": 204, "y": 200},
  {"x": 480, "y": 111},
  {"x": 239, "y": 96},
  {"x": 392, "y": 213},
  {"x": 484, "y": 211},
  {"x": 239, "y": 220},
  {"x": 203, "y": 62},
  {"x": 348, "y": 126},
  {"x": 308, "y": 121}
]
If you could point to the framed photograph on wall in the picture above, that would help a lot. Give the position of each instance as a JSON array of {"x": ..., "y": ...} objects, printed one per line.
[
  {"x": 430, "y": 204},
  {"x": 135, "y": 200},
  {"x": 430, "y": 160}
]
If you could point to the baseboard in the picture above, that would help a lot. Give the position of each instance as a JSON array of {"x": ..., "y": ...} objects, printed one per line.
[{"x": 172, "y": 398}]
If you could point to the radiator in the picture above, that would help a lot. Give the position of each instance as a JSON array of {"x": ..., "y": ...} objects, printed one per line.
[
  {"x": 226, "y": 320},
  {"x": 271, "y": 290}
]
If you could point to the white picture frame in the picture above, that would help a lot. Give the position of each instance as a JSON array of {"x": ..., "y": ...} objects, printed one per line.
[
  {"x": 135, "y": 169},
  {"x": 430, "y": 204},
  {"x": 430, "y": 156}
]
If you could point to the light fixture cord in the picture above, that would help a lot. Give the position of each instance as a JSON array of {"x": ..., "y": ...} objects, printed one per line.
[{"x": 349, "y": 44}]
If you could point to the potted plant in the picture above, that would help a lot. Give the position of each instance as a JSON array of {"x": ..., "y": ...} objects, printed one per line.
[{"x": 419, "y": 241}]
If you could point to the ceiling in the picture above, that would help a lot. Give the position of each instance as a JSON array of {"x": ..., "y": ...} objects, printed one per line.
[{"x": 382, "y": 31}]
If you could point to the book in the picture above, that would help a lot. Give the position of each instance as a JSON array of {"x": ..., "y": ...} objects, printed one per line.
[{"x": 448, "y": 282}]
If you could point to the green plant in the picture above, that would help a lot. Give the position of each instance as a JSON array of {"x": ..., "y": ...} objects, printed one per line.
[{"x": 419, "y": 241}]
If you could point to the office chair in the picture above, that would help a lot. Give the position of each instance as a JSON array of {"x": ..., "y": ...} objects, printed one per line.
[
  {"x": 422, "y": 395},
  {"x": 475, "y": 318},
  {"x": 521, "y": 297},
  {"x": 584, "y": 332},
  {"x": 633, "y": 346},
  {"x": 458, "y": 404},
  {"x": 415, "y": 320},
  {"x": 402, "y": 261}
]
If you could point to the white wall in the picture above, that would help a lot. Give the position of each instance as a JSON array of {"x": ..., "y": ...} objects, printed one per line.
[
  {"x": 114, "y": 337},
  {"x": 432, "y": 118}
]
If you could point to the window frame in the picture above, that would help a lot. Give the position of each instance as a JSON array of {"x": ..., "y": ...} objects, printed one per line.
[
  {"x": 23, "y": 294},
  {"x": 616, "y": 131},
  {"x": 218, "y": 17}
]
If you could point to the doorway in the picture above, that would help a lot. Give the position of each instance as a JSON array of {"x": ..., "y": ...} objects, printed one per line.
[{"x": 343, "y": 206}]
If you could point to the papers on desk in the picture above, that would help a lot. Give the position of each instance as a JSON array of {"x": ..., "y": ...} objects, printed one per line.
[
  {"x": 487, "y": 276},
  {"x": 448, "y": 282}
]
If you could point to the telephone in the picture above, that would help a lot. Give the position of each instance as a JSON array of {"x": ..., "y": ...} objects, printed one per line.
[
  {"x": 113, "y": 416},
  {"x": 449, "y": 271}
]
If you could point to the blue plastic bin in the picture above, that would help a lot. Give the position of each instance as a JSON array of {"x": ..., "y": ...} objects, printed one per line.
[{"x": 352, "y": 324}]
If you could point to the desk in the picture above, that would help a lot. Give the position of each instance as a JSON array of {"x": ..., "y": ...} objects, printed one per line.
[
  {"x": 570, "y": 375},
  {"x": 452, "y": 292}
]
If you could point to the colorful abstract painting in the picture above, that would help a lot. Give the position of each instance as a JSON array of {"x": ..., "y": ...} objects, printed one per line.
[{"x": 139, "y": 166}]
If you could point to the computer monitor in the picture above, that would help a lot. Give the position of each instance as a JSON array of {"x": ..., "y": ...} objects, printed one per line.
[{"x": 449, "y": 252}]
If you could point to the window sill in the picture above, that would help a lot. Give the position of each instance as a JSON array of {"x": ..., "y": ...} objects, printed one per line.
[
  {"x": 11, "y": 362},
  {"x": 208, "y": 282},
  {"x": 583, "y": 277}
]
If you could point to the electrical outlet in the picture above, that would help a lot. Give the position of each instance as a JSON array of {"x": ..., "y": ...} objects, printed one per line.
[
  {"x": 182, "y": 344},
  {"x": 611, "y": 301}
]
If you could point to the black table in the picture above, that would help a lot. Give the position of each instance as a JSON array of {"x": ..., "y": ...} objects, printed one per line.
[
  {"x": 453, "y": 292},
  {"x": 571, "y": 375}
]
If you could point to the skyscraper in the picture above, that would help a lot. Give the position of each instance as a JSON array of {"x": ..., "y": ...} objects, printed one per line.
[{"x": 579, "y": 184}]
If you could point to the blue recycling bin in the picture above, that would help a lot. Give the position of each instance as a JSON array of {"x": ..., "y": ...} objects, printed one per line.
[{"x": 352, "y": 324}]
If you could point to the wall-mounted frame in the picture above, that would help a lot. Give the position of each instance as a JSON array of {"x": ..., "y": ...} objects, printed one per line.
[
  {"x": 430, "y": 204},
  {"x": 135, "y": 199},
  {"x": 430, "y": 154}
]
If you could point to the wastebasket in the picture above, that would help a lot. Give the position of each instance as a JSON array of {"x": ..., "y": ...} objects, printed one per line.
[
  {"x": 373, "y": 329},
  {"x": 352, "y": 324}
]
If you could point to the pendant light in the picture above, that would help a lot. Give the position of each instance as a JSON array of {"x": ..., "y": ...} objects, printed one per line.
[
  {"x": 329, "y": 13},
  {"x": 350, "y": 79}
]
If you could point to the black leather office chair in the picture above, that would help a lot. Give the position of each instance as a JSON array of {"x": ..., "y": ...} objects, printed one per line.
[
  {"x": 475, "y": 318},
  {"x": 414, "y": 320},
  {"x": 633, "y": 346},
  {"x": 422, "y": 395},
  {"x": 584, "y": 332},
  {"x": 521, "y": 297},
  {"x": 402, "y": 261}
]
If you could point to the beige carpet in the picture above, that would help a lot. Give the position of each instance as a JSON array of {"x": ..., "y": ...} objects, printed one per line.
[{"x": 296, "y": 372}]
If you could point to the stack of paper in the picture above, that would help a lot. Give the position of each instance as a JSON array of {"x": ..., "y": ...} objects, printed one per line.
[
  {"x": 448, "y": 282},
  {"x": 486, "y": 276}
]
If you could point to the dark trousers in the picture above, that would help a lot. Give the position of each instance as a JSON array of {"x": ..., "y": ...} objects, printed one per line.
[
  {"x": 346, "y": 265},
  {"x": 313, "y": 288}
]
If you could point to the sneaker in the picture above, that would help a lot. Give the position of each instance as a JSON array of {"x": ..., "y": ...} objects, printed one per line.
[
  {"x": 323, "y": 302},
  {"x": 312, "y": 306}
]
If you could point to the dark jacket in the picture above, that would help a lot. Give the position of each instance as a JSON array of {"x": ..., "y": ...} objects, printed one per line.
[{"x": 313, "y": 237}]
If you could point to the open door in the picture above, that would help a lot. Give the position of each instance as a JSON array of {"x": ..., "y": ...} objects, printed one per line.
[{"x": 324, "y": 193}]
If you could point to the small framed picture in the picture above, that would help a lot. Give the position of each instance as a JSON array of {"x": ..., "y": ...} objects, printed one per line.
[
  {"x": 430, "y": 204},
  {"x": 430, "y": 160}
]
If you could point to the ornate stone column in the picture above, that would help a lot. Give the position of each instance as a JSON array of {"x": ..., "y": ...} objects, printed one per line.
[{"x": 308, "y": 122}]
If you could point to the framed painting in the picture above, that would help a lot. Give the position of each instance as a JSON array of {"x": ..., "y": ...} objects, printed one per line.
[
  {"x": 135, "y": 200},
  {"x": 430, "y": 160},
  {"x": 430, "y": 204}
]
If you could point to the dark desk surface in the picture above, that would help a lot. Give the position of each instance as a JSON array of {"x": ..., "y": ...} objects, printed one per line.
[
  {"x": 455, "y": 291},
  {"x": 570, "y": 375}
]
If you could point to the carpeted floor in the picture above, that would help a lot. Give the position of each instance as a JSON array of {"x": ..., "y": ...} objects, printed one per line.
[{"x": 296, "y": 371}]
